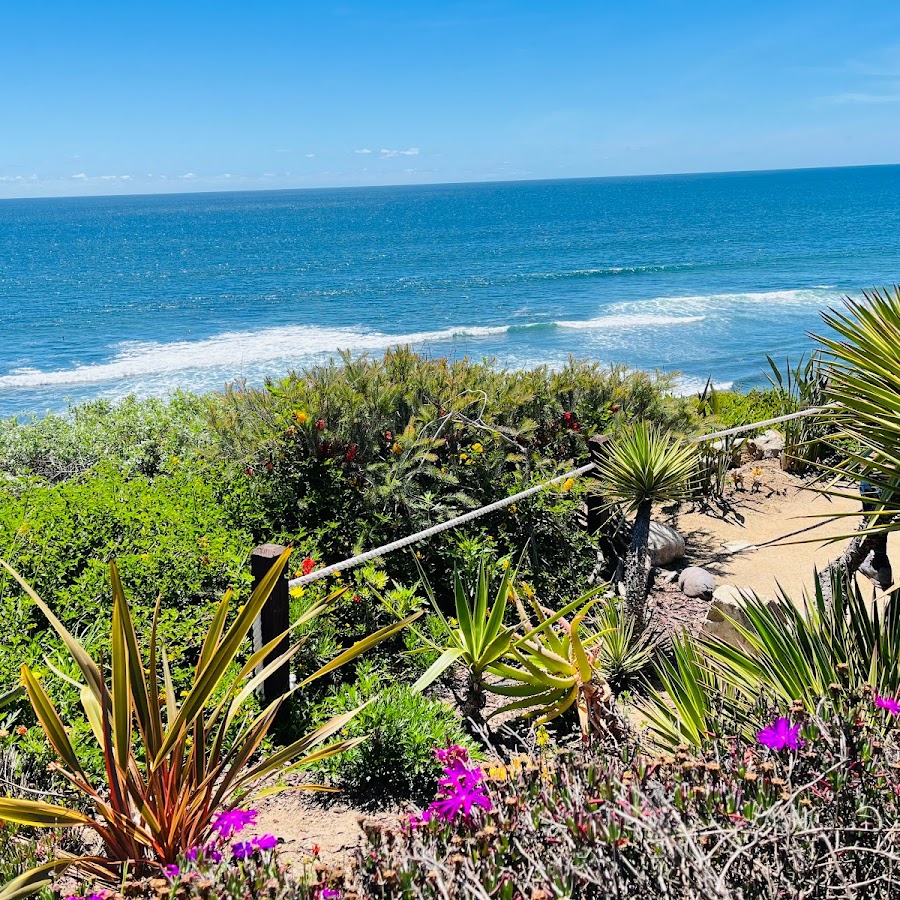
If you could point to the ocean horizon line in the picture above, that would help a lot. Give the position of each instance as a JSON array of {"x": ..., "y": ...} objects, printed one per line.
[{"x": 649, "y": 176}]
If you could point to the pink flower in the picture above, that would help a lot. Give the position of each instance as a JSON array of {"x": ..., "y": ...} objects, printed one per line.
[
  {"x": 888, "y": 703},
  {"x": 265, "y": 842},
  {"x": 781, "y": 734},
  {"x": 171, "y": 871},
  {"x": 242, "y": 850},
  {"x": 320, "y": 424},
  {"x": 233, "y": 821},
  {"x": 448, "y": 756}
]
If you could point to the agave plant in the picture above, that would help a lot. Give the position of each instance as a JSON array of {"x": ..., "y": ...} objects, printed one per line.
[
  {"x": 166, "y": 779},
  {"x": 476, "y": 640},
  {"x": 644, "y": 466},
  {"x": 553, "y": 667},
  {"x": 839, "y": 641}
]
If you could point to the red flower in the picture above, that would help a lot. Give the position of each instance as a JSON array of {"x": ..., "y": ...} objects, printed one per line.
[
  {"x": 351, "y": 453},
  {"x": 320, "y": 424},
  {"x": 576, "y": 426},
  {"x": 388, "y": 436},
  {"x": 307, "y": 565},
  {"x": 357, "y": 598},
  {"x": 567, "y": 416},
  {"x": 248, "y": 471}
]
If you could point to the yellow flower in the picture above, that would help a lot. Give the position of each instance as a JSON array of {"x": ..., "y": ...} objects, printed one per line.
[
  {"x": 185, "y": 693},
  {"x": 542, "y": 737},
  {"x": 568, "y": 484},
  {"x": 463, "y": 457},
  {"x": 145, "y": 556},
  {"x": 397, "y": 448},
  {"x": 513, "y": 509},
  {"x": 504, "y": 564},
  {"x": 300, "y": 417},
  {"x": 418, "y": 554},
  {"x": 477, "y": 448},
  {"x": 497, "y": 772},
  {"x": 296, "y": 591}
]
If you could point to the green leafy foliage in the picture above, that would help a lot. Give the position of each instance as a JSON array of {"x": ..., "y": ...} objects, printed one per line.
[{"x": 403, "y": 728}]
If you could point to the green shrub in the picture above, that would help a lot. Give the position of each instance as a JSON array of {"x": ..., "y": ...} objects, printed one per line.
[
  {"x": 167, "y": 535},
  {"x": 396, "y": 761},
  {"x": 142, "y": 436}
]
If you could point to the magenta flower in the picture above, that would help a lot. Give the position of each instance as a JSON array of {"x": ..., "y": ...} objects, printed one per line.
[
  {"x": 171, "y": 871},
  {"x": 463, "y": 801},
  {"x": 781, "y": 734},
  {"x": 233, "y": 821},
  {"x": 265, "y": 842},
  {"x": 451, "y": 755},
  {"x": 242, "y": 850},
  {"x": 888, "y": 703},
  {"x": 330, "y": 894}
]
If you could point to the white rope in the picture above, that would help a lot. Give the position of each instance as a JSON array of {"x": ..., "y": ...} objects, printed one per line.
[
  {"x": 354, "y": 561},
  {"x": 753, "y": 426},
  {"x": 433, "y": 530}
]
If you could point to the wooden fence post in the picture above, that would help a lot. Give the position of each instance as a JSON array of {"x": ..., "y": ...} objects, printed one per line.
[{"x": 273, "y": 620}]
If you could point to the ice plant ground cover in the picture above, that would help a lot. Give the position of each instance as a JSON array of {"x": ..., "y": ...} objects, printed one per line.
[{"x": 780, "y": 816}]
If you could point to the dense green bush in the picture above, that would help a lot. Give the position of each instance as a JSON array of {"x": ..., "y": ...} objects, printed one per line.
[
  {"x": 167, "y": 535},
  {"x": 356, "y": 454},
  {"x": 396, "y": 761},
  {"x": 142, "y": 436}
]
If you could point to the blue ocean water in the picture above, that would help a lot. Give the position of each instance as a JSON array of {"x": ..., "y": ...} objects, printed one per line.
[{"x": 703, "y": 274}]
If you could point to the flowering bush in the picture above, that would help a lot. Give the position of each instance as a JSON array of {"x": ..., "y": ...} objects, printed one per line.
[{"x": 734, "y": 819}]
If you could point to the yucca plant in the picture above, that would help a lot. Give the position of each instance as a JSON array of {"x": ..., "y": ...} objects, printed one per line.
[
  {"x": 553, "y": 667},
  {"x": 169, "y": 768},
  {"x": 477, "y": 638},
  {"x": 644, "y": 466},
  {"x": 837, "y": 642},
  {"x": 622, "y": 654},
  {"x": 863, "y": 373}
]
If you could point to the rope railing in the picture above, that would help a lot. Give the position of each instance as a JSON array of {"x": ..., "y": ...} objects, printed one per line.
[{"x": 354, "y": 561}]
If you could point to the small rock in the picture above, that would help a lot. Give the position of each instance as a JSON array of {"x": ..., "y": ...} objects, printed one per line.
[
  {"x": 666, "y": 576},
  {"x": 767, "y": 445},
  {"x": 697, "y": 582},
  {"x": 738, "y": 547},
  {"x": 735, "y": 448},
  {"x": 664, "y": 545}
]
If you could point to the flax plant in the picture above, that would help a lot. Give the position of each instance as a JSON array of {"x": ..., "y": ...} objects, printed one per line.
[{"x": 169, "y": 767}]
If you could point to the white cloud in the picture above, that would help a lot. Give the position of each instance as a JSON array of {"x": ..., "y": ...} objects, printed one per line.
[
  {"x": 363, "y": 150},
  {"x": 8, "y": 178},
  {"x": 864, "y": 98},
  {"x": 81, "y": 176},
  {"x": 387, "y": 154},
  {"x": 115, "y": 177},
  {"x": 312, "y": 155},
  {"x": 188, "y": 175}
]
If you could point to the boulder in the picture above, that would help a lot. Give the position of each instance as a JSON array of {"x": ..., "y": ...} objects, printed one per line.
[
  {"x": 697, "y": 582},
  {"x": 734, "y": 448},
  {"x": 664, "y": 545},
  {"x": 767, "y": 445}
]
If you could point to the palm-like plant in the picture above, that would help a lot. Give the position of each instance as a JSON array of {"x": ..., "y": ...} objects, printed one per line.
[
  {"x": 166, "y": 779},
  {"x": 644, "y": 466},
  {"x": 863, "y": 387}
]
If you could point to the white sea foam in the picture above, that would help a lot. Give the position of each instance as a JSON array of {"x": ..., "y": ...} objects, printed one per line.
[
  {"x": 639, "y": 320},
  {"x": 236, "y": 351}
]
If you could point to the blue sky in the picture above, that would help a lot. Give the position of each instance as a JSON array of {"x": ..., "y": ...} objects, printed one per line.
[{"x": 102, "y": 97}]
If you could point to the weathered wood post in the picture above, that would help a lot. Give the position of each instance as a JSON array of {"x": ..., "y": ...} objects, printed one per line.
[{"x": 272, "y": 621}]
